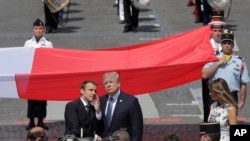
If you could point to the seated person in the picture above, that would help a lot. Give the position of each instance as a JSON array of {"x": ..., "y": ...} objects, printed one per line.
[
  {"x": 171, "y": 137},
  {"x": 122, "y": 135},
  {"x": 37, "y": 134},
  {"x": 209, "y": 132}
]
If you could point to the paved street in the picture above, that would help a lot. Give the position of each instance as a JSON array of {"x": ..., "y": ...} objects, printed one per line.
[{"x": 93, "y": 24}]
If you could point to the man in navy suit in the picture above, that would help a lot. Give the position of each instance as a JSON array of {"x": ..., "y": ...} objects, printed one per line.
[
  {"x": 80, "y": 115},
  {"x": 120, "y": 111}
]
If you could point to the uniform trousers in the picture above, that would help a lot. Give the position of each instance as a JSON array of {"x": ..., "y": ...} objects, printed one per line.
[
  {"x": 36, "y": 109},
  {"x": 131, "y": 14},
  {"x": 51, "y": 19}
]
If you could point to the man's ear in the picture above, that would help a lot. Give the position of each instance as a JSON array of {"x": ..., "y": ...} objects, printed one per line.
[{"x": 82, "y": 91}]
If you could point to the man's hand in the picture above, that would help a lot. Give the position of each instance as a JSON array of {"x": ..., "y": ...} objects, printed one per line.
[
  {"x": 97, "y": 105},
  {"x": 221, "y": 61},
  {"x": 240, "y": 106}
]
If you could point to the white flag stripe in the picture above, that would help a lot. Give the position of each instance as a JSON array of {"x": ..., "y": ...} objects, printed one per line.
[
  {"x": 8, "y": 86},
  {"x": 13, "y": 60}
]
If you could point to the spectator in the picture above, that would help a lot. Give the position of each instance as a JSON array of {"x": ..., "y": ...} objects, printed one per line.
[
  {"x": 120, "y": 110},
  {"x": 37, "y": 134},
  {"x": 171, "y": 137},
  {"x": 37, "y": 108},
  {"x": 81, "y": 118},
  {"x": 224, "y": 110},
  {"x": 123, "y": 135},
  {"x": 209, "y": 132}
]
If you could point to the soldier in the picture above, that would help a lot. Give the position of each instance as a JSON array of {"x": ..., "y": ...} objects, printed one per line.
[
  {"x": 37, "y": 108},
  {"x": 230, "y": 67},
  {"x": 217, "y": 26},
  {"x": 51, "y": 20}
]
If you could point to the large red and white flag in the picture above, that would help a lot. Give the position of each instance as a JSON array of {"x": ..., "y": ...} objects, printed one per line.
[{"x": 56, "y": 74}]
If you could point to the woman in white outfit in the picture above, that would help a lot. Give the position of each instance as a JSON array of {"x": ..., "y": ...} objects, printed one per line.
[{"x": 224, "y": 110}]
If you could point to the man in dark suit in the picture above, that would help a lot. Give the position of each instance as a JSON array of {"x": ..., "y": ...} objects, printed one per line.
[
  {"x": 82, "y": 118},
  {"x": 120, "y": 111}
]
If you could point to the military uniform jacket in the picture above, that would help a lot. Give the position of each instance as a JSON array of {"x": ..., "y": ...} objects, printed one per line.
[
  {"x": 37, "y": 108},
  {"x": 234, "y": 72},
  {"x": 43, "y": 42}
]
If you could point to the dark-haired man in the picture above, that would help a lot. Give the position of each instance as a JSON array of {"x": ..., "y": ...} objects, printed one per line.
[
  {"x": 81, "y": 118},
  {"x": 37, "y": 108}
]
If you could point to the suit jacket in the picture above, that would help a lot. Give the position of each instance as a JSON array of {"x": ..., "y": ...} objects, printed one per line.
[
  {"x": 127, "y": 115},
  {"x": 77, "y": 117}
]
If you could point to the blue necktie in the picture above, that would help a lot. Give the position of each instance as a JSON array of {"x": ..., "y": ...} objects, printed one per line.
[{"x": 109, "y": 111}]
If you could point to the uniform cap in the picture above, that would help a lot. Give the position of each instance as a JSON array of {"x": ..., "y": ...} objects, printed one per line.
[
  {"x": 227, "y": 35},
  {"x": 218, "y": 13},
  {"x": 209, "y": 128},
  {"x": 38, "y": 22},
  {"x": 217, "y": 18}
]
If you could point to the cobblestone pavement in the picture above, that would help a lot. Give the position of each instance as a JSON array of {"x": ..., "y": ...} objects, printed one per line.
[{"x": 93, "y": 24}]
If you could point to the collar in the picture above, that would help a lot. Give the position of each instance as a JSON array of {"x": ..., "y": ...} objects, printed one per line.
[
  {"x": 84, "y": 103},
  {"x": 115, "y": 97},
  {"x": 34, "y": 39}
]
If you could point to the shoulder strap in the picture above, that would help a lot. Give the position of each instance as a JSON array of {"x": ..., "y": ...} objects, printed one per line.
[{"x": 242, "y": 65}]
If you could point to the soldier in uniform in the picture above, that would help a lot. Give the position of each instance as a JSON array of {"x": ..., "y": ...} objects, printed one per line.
[
  {"x": 51, "y": 20},
  {"x": 37, "y": 108},
  {"x": 229, "y": 67},
  {"x": 206, "y": 12},
  {"x": 217, "y": 26},
  {"x": 131, "y": 14}
]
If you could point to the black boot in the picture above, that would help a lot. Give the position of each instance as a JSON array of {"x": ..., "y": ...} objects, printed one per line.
[
  {"x": 31, "y": 124},
  {"x": 41, "y": 124}
]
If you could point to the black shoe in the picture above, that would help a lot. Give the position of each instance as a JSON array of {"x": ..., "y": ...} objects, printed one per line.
[
  {"x": 134, "y": 29},
  {"x": 43, "y": 126},
  {"x": 54, "y": 31},
  {"x": 121, "y": 22},
  {"x": 30, "y": 126},
  {"x": 190, "y": 4},
  {"x": 125, "y": 30},
  {"x": 197, "y": 21},
  {"x": 48, "y": 29},
  {"x": 115, "y": 5}
]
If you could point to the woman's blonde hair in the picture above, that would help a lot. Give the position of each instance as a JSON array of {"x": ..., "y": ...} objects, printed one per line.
[{"x": 220, "y": 87}]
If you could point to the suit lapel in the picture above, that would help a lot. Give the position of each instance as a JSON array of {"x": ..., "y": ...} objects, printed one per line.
[
  {"x": 83, "y": 110},
  {"x": 118, "y": 107}
]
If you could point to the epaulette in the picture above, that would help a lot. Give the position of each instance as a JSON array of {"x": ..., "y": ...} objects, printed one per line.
[{"x": 241, "y": 58}]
